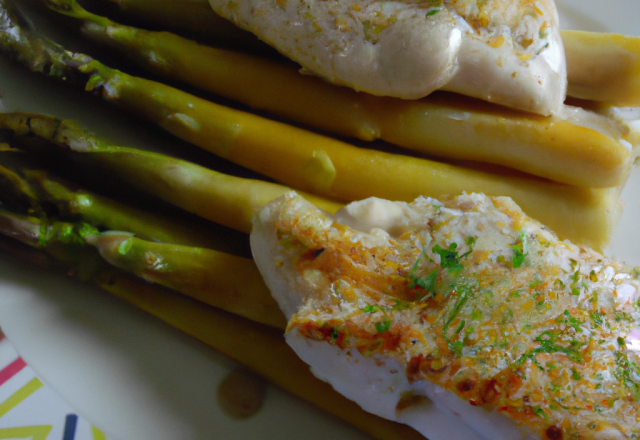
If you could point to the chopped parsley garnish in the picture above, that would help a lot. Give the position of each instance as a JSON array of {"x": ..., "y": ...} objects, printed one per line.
[
  {"x": 433, "y": 11},
  {"x": 471, "y": 242},
  {"x": 536, "y": 283},
  {"x": 622, "y": 342},
  {"x": 456, "y": 347},
  {"x": 575, "y": 375},
  {"x": 623, "y": 371},
  {"x": 386, "y": 324},
  {"x": 575, "y": 290},
  {"x": 383, "y": 326},
  {"x": 464, "y": 293},
  {"x": 597, "y": 318},
  {"x": 547, "y": 341},
  {"x": 537, "y": 410},
  {"x": 448, "y": 257},
  {"x": 519, "y": 254},
  {"x": 567, "y": 318},
  {"x": 428, "y": 283},
  {"x": 622, "y": 316},
  {"x": 372, "y": 308}
]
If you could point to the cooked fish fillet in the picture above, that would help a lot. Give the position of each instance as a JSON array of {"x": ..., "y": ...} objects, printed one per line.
[
  {"x": 504, "y": 51},
  {"x": 468, "y": 303}
]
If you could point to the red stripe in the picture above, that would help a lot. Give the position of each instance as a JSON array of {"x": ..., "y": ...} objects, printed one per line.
[{"x": 11, "y": 370}]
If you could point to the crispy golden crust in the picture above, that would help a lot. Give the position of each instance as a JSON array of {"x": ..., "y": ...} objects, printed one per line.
[{"x": 481, "y": 300}]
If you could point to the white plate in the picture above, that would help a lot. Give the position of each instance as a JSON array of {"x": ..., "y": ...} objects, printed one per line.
[{"x": 136, "y": 378}]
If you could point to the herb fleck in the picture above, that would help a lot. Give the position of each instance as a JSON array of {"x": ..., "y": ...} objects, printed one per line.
[
  {"x": 433, "y": 11},
  {"x": 540, "y": 412},
  {"x": 519, "y": 254}
]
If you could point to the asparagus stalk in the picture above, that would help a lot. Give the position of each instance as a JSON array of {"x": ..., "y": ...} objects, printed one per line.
[
  {"x": 77, "y": 203},
  {"x": 28, "y": 194},
  {"x": 227, "y": 200},
  {"x": 309, "y": 161},
  {"x": 215, "y": 278},
  {"x": 230, "y": 283},
  {"x": 63, "y": 241},
  {"x": 15, "y": 191},
  {"x": 602, "y": 67},
  {"x": 259, "y": 348},
  {"x": 193, "y": 18},
  {"x": 444, "y": 125},
  {"x": 203, "y": 274}
]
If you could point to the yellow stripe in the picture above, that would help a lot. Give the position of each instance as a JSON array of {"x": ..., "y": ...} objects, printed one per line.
[
  {"x": 17, "y": 397},
  {"x": 39, "y": 432},
  {"x": 97, "y": 434}
]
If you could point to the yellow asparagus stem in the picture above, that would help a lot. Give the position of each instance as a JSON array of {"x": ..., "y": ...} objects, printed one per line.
[
  {"x": 442, "y": 124},
  {"x": 215, "y": 278},
  {"x": 259, "y": 348},
  {"x": 603, "y": 67},
  {"x": 311, "y": 162},
  {"x": 105, "y": 213},
  {"x": 195, "y": 19},
  {"x": 228, "y": 200},
  {"x": 225, "y": 281},
  {"x": 600, "y": 66},
  {"x": 340, "y": 171}
]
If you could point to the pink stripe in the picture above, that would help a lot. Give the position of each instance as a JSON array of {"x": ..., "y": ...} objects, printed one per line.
[{"x": 11, "y": 370}]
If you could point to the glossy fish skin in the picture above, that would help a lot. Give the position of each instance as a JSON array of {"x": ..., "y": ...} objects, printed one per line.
[
  {"x": 470, "y": 295},
  {"x": 504, "y": 51}
]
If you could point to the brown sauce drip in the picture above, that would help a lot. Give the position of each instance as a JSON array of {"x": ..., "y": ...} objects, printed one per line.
[{"x": 241, "y": 394}]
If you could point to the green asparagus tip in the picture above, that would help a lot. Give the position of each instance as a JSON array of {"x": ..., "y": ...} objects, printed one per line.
[{"x": 71, "y": 8}]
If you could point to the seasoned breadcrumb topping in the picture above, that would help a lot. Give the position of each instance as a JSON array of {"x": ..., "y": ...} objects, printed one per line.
[{"x": 478, "y": 298}]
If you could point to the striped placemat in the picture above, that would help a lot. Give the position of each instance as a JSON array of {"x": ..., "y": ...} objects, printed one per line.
[{"x": 30, "y": 409}]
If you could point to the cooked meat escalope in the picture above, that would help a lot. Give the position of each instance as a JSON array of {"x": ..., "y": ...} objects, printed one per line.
[
  {"x": 467, "y": 302},
  {"x": 504, "y": 51}
]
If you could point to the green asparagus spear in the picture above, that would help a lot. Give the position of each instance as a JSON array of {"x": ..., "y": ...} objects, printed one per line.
[
  {"x": 601, "y": 67},
  {"x": 308, "y": 161},
  {"x": 258, "y": 347},
  {"x": 15, "y": 191},
  {"x": 445, "y": 125},
  {"x": 224, "y": 199},
  {"x": 64, "y": 241},
  {"x": 215, "y": 278},
  {"x": 195, "y": 19},
  {"x": 37, "y": 189},
  {"x": 230, "y": 283},
  {"x": 77, "y": 203}
]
